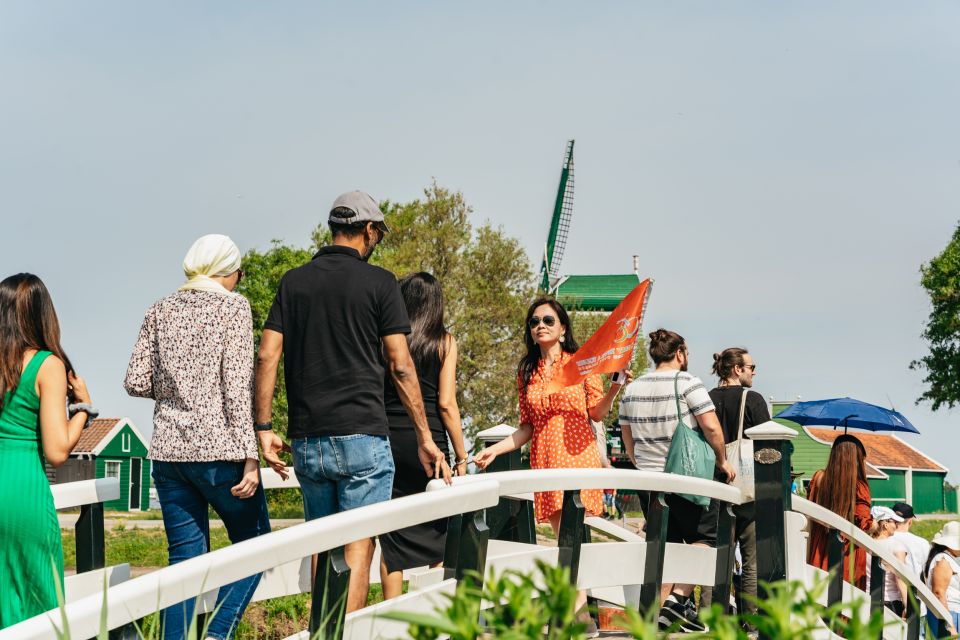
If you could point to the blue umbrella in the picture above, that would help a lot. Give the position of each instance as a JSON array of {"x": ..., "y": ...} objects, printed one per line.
[{"x": 847, "y": 412}]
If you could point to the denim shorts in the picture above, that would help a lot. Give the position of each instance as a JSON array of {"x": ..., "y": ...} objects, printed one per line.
[{"x": 338, "y": 473}]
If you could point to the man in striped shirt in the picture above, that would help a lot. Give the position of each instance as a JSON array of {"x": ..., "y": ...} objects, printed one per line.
[{"x": 648, "y": 420}]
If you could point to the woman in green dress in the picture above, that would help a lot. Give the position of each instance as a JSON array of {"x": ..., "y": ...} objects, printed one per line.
[{"x": 36, "y": 382}]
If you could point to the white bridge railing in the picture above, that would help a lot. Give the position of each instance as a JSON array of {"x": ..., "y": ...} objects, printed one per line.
[{"x": 628, "y": 571}]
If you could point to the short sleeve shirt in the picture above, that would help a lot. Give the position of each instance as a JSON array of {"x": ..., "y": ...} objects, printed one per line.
[
  {"x": 333, "y": 312},
  {"x": 649, "y": 409},
  {"x": 727, "y": 402}
]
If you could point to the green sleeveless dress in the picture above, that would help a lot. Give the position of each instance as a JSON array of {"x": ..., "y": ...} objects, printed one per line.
[{"x": 31, "y": 552}]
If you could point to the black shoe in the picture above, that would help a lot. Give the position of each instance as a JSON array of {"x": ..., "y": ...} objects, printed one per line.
[{"x": 681, "y": 616}]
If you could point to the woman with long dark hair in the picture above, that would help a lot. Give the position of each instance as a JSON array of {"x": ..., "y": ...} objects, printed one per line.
[
  {"x": 842, "y": 488},
  {"x": 434, "y": 353},
  {"x": 36, "y": 383},
  {"x": 558, "y": 423}
]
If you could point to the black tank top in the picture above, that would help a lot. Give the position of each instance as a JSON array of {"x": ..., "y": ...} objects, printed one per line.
[{"x": 429, "y": 388}]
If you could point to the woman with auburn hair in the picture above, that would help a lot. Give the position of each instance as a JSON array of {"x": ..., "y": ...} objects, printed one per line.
[
  {"x": 559, "y": 422},
  {"x": 36, "y": 383},
  {"x": 842, "y": 487}
]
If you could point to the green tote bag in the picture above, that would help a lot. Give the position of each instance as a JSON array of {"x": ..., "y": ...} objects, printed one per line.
[{"x": 690, "y": 454}]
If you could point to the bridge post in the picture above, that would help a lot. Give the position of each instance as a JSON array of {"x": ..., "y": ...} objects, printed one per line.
[
  {"x": 771, "y": 469},
  {"x": 329, "y": 598},
  {"x": 571, "y": 533},
  {"x": 656, "y": 549},
  {"x": 89, "y": 541},
  {"x": 511, "y": 519},
  {"x": 877, "y": 576},
  {"x": 466, "y": 547}
]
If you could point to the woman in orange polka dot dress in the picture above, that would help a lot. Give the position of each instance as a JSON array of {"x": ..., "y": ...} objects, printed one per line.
[{"x": 558, "y": 423}]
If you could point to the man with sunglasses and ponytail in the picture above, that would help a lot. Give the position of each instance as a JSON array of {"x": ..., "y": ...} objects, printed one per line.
[{"x": 735, "y": 369}]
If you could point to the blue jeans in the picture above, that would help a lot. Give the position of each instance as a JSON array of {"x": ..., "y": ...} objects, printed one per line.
[
  {"x": 185, "y": 490},
  {"x": 338, "y": 473}
]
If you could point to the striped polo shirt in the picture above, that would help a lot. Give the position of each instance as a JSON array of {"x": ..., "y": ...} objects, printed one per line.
[{"x": 649, "y": 410}]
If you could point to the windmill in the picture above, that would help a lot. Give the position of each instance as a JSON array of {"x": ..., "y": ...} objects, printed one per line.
[
  {"x": 587, "y": 292},
  {"x": 559, "y": 225}
]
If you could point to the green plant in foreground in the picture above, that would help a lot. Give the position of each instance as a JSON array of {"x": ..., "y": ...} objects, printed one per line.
[{"x": 520, "y": 606}]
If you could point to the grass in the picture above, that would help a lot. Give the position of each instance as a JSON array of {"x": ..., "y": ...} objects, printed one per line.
[
  {"x": 927, "y": 528},
  {"x": 273, "y": 619}
]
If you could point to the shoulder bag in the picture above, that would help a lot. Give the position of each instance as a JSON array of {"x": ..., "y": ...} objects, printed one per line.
[
  {"x": 740, "y": 455},
  {"x": 690, "y": 454}
]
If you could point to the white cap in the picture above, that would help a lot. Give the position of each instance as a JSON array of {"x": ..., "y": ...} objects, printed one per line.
[{"x": 884, "y": 513}]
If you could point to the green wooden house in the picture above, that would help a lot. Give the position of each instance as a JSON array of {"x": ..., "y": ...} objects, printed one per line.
[
  {"x": 112, "y": 448},
  {"x": 599, "y": 293},
  {"x": 896, "y": 471}
]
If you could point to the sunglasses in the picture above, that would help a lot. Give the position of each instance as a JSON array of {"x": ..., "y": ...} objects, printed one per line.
[
  {"x": 752, "y": 367},
  {"x": 535, "y": 321}
]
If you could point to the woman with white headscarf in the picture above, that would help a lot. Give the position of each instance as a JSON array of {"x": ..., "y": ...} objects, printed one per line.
[{"x": 194, "y": 358}]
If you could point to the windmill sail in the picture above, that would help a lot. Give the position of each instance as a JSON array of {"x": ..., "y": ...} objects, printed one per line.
[{"x": 559, "y": 224}]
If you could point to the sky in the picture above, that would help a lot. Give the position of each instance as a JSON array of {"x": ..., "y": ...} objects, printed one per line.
[{"x": 782, "y": 170}]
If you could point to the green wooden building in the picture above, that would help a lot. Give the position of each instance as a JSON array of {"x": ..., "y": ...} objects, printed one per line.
[
  {"x": 896, "y": 471},
  {"x": 595, "y": 292},
  {"x": 111, "y": 448}
]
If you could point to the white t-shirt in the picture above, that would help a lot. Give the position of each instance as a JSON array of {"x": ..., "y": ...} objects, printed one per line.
[
  {"x": 890, "y": 590},
  {"x": 917, "y": 550},
  {"x": 648, "y": 408}
]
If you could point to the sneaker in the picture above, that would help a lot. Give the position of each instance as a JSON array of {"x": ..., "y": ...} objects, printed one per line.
[{"x": 680, "y": 615}]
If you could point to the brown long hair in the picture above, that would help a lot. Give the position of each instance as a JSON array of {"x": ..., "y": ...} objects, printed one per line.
[
  {"x": 836, "y": 487},
  {"x": 27, "y": 321}
]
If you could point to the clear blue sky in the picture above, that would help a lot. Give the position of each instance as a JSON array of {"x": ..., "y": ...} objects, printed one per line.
[{"x": 782, "y": 170}]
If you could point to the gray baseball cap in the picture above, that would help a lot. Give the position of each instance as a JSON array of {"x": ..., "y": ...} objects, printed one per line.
[{"x": 363, "y": 206}]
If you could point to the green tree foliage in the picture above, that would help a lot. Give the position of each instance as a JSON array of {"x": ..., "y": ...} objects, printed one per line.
[
  {"x": 941, "y": 279},
  {"x": 487, "y": 281}
]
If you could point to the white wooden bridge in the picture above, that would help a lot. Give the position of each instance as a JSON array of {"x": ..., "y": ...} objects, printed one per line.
[{"x": 490, "y": 528}]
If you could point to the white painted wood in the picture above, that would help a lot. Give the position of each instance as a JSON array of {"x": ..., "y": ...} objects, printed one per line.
[
  {"x": 832, "y": 520},
  {"x": 896, "y": 628},
  {"x": 770, "y": 430},
  {"x": 272, "y": 480},
  {"x": 496, "y": 434},
  {"x": 77, "y": 494},
  {"x": 519, "y": 482},
  {"x": 627, "y": 595},
  {"x": 368, "y": 623},
  {"x": 148, "y": 593},
  {"x": 288, "y": 579},
  {"x": 611, "y": 529},
  {"x": 611, "y": 564},
  {"x": 795, "y": 544},
  {"x": 87, "y": 583},
  {"x": 519, "y": 557},
  {"x": 689, "y": 564}
]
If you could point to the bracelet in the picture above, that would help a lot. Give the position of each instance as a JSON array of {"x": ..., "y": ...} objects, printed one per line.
[
  {"x": 266, "y": 426},
  {"x": 461, "y": 460},
  {"x": 75, "y": 408}
]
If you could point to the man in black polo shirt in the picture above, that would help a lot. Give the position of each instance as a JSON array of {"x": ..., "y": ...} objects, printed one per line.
[{"x": 336, "y": 320}]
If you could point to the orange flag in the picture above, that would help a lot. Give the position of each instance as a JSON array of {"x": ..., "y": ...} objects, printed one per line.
[{"x": 611, "y": 347}]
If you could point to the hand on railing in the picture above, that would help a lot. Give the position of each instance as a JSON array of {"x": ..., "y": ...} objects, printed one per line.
[{"x": 271, "y": 445}]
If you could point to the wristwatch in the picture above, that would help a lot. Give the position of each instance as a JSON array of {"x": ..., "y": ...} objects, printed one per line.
[{"x": 266, "y": 426}]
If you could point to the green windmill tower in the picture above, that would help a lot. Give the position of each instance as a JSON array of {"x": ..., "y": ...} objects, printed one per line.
[{"x": 596, "y": 293}]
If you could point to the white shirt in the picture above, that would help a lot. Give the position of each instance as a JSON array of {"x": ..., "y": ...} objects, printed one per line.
[
  {"x": 649, "y": 409},
  {"x": 953, "y": 589},
  {"x": 891, "y": 591},
  {"x": 917, "y": 549}
]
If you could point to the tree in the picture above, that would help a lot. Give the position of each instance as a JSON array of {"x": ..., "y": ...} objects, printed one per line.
[
  {"x": 941, "y": 279},
  {"x": 487, "y": 281}
]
